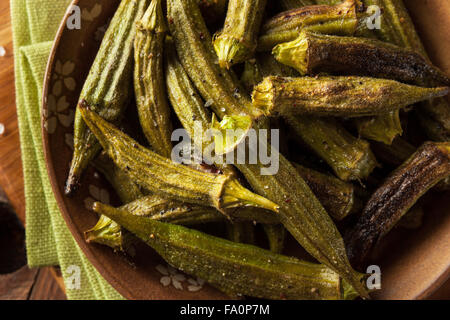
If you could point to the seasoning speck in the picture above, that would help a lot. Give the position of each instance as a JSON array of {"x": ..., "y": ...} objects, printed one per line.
[
  {"x": 2, "y": 129},
  {"x": 2, "y": 51}
]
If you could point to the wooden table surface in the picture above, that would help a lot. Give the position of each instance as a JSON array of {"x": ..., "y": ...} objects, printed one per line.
[{"x": 44, "y": 283}]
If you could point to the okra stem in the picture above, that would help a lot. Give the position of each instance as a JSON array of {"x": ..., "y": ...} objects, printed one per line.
[
  {"x": 429, "y": 165},
  {"x": 237, "y": 41},
  {"x": 337, "y": 96},
  {"x": 162, "y": 176},
  {"x": 300, "y": 211},
  {"x": 313, "y": 53},
  {"x": 233, "y": 267},
  {"x": 106, "y": 88},
  {"x": 153, "y": 107}
]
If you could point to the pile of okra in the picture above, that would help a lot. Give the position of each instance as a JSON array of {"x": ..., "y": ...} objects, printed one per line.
[{"x": 363, "y": 127}]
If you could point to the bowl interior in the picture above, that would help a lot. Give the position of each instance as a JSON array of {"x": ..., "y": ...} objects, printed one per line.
[{"x": 413, "y": 263}]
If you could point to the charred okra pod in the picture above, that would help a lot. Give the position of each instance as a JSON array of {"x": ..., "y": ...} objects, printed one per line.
[
  {"x": 153, "y": 107},
  {"x": 337, "y": 197},
  {"x": 162, "y": 176},
  {"x": 429, "y": 164},
  {"x": 349, "y": 157},
  {"x": 313, "y": 53},
  {"x": 276, "y": 234},
  {"x": 337, "y": 96},
  {"x": 237, "y": 41},
  {"x": 106, "y": 88},
  {"x": 341, "y": 19},
  {"x": 300, "y": 212},
  {"x": 234, "y": 268}
]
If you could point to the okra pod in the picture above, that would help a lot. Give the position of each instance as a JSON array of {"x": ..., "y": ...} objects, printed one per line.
[
  {"x": 337, "y": 197},
  {"x": 313, "y": 53},
  {"x": 151, "y": 100},
  {"x": 424, "y": 169},
  {"x": 337, "y": 96},
  {"x": 251, "y": 76},
  {"x": 238, "y": 39},
  {"x": 107, "y": 87},
  {"x": 349, "y": 157},
  {"x": 234, "y": 268},
  {"x": 162, "y": 176},
  {"x": 300, "y": 211},
  {"x": 341, "y": 19},
  {"x": 276, "y": 234}
]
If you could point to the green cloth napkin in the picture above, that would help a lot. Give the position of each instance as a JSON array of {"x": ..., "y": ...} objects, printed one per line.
[{"x": 48, "y": 239}]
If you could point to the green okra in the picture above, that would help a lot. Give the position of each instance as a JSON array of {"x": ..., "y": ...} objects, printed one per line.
[
  {"x": 313, "y": 53},
  {"x": 276, "y": 234},
  {"x": 401, "y": 190},
  {"x": 121, "y": 182},
  {"x": 107, "y": 87},
  {"x": 341, "y": 19},
  {"x": 349, "y": 157},
  {"x": 235, "y": 268},
  {"x": 300, "y": 211},
  {"x": 337, "y": 197},
  {"x": 238, "y": 39},
  {"x": 337, "y": 96},
  {"x": 396, "y": 153},
  {"x": 162, "y": 176},
  {"x": 292, "y": 4},
  {"x": 151, "y": 100}
]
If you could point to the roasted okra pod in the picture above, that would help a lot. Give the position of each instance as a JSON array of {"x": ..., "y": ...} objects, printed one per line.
[
  {"x": 107, "y": 86},
  {"x": 162, "y": 176},
  {"x": 349, "y": 157},
  {"x": 234, "y": 268},
  {"x": 424, "y": 169},
  {"x": 151, "y": 100},
  {"x": 237, "y": 41},
  {"x": 292, "y": 4},
  {"x": 312, "y": 53},
  {"x": 337, "y": 96}
]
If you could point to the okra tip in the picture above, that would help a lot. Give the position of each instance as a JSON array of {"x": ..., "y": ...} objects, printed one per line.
[
  {"x": 106, "y": 232},
  {"x": 72, "y": 184},
  {"x": 235, "y": 195},
  {"x": 229, "y": 50}
]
